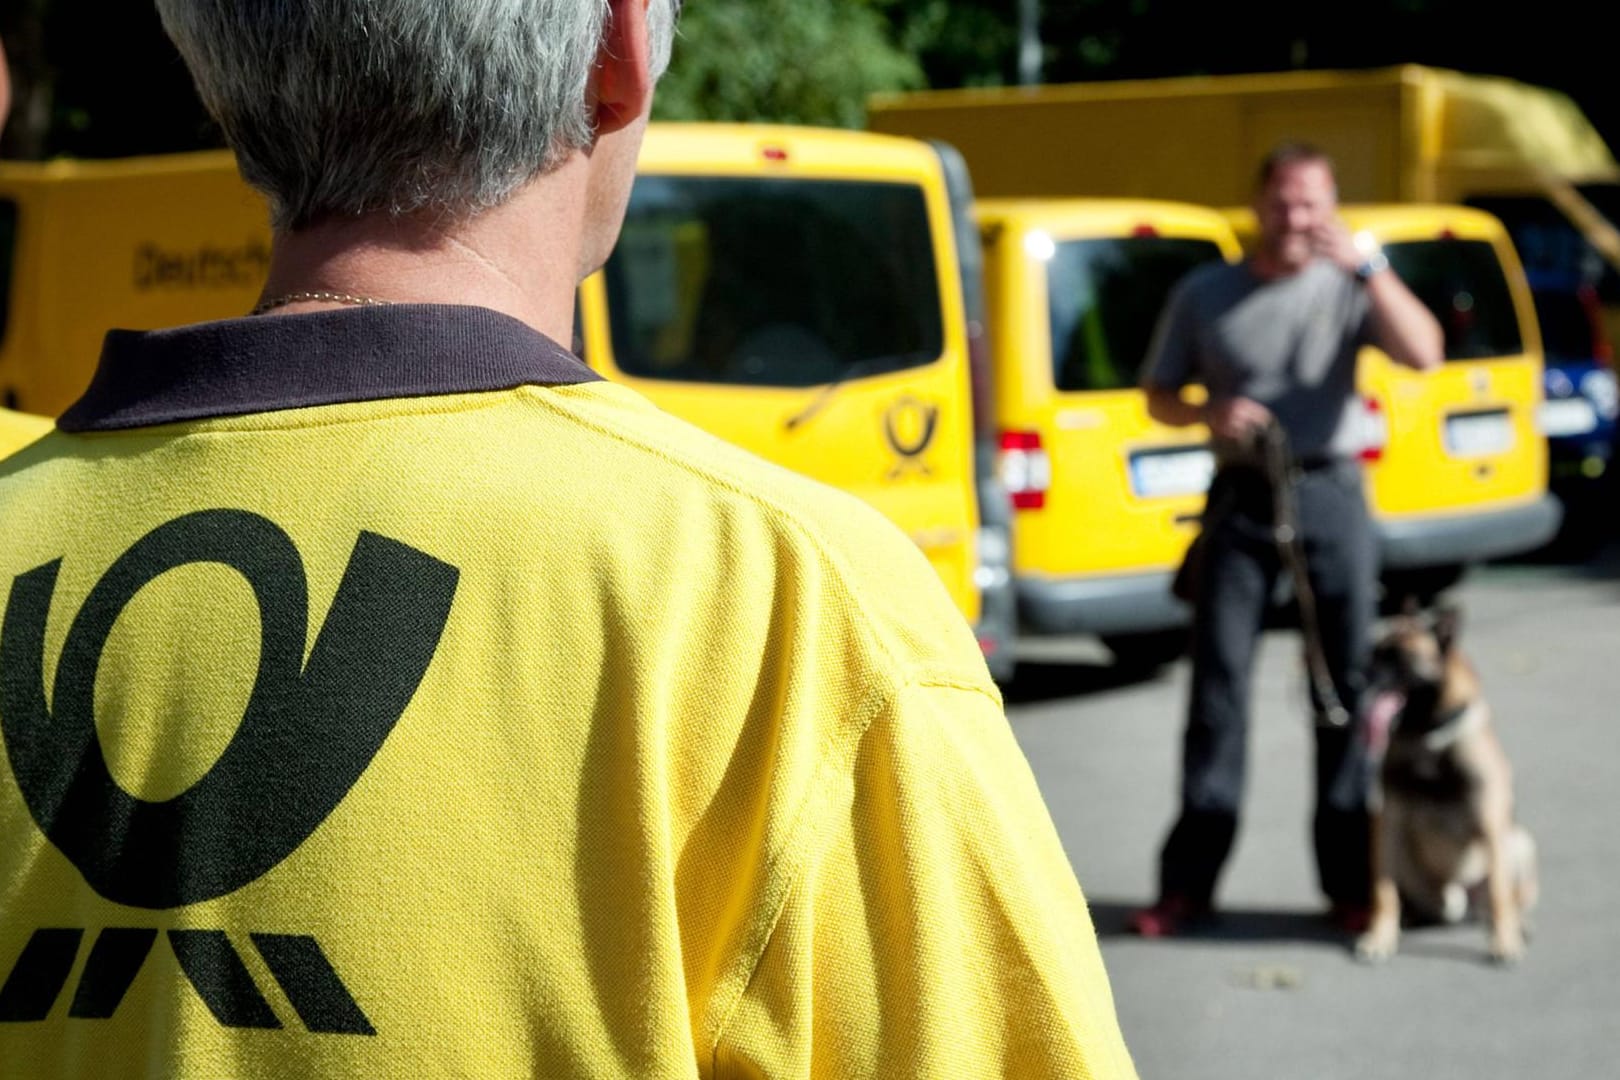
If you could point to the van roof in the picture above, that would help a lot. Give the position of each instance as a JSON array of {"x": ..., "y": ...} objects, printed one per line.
[
  {"x": 1417, "y": 221},
  {"x": 1395, "y": 222},
  {"x": 768, "y": 148},
  {"x": 60, "y": 169},
  {"x": 1110, "y": 216}
]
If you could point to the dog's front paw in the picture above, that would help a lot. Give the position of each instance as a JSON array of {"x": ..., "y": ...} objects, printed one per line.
[
  {"x": 1376, "y": 945},
  {"x": 1507, "y": 949}
]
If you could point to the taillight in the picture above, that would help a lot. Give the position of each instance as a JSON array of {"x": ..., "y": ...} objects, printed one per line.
[
  {"x": 1374, "y": 430},
  {"x": 1602, "y": 351},
  {"x": 1026, "y": 471},
  {"x": 1145, "y": 232}
]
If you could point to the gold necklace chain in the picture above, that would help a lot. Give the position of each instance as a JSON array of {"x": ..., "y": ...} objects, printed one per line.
[{"x": 317, "y": 296}]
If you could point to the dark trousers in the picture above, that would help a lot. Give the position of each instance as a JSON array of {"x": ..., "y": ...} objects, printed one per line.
[{"x": 1237, "y": 584}]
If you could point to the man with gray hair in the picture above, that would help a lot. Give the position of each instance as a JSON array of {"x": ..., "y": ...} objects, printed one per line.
[{"x": 385, "y": 695}]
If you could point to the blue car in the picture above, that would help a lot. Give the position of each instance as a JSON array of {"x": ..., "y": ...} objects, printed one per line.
[{"x": 1581, "y": 404}]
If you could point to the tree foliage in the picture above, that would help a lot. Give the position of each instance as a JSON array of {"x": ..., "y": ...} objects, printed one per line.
[
  {"x": 98, "y": 79},
  {"x": 958, "y": 42},
  {"x": 791, "y": 61}
]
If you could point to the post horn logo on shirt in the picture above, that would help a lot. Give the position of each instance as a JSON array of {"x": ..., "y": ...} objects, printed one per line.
[{"x": 308, "y": 732}]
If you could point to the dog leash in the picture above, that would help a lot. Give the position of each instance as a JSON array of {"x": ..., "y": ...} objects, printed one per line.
[{"x": 1283, "y": 473}]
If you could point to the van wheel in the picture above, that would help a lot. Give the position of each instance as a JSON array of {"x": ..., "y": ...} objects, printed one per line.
[{"x": 1147, "y": 652}]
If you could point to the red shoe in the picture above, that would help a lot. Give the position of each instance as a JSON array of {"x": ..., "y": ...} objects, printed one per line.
[
  {"x": 1350, "y": 918},
  {"x": 1170, "y": 917}
]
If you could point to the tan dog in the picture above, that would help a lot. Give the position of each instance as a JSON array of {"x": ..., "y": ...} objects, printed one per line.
[{"x": 1443, "y": 825}]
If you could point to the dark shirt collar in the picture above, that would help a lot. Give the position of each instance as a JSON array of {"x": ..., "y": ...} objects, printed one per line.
[{"x": 270, "y": 362}]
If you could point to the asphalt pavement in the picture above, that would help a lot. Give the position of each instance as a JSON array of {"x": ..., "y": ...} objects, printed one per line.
[{"x": 1270, "y": 991}]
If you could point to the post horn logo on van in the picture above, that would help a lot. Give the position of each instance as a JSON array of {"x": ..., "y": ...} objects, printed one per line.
[{"x": 909, "y": 427}]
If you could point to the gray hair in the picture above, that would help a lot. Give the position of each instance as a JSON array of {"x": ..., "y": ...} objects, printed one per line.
[{"x": 339, "y": 108}]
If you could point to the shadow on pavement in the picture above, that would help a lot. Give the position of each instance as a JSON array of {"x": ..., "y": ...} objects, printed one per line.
[
  {"x": 1038, "y": 681},
  {"x": 1234, "y": 925},
  {"x": 1248, "y": 926},
  {"x": 1599, "y": 562}
]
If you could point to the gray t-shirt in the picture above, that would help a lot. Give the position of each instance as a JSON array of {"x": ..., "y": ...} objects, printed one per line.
[{"x": 1289, "y": 344}]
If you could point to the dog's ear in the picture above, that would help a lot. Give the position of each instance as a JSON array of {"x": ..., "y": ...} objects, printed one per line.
[{"x": 1446, "y": 622}]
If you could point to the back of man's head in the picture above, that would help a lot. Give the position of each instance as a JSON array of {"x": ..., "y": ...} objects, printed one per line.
[
  {"x": 341, "y": 108},
  {"x": 1286, "y": 155}
]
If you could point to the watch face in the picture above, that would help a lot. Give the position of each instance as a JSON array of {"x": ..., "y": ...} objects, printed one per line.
[{"x": 1374, "y": 262}]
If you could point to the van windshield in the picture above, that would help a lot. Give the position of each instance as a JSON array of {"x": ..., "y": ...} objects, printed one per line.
[
  {"x": 776, "y": 282},
  {"x": 8, "y": 249},
  {"x": 1462, "y": 282},
  {"x": 1104, "y": 297}
]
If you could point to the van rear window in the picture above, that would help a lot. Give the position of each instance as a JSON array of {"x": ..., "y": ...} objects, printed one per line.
[
  {"x": 8, "y": 251},
  {"x": 1104, "y": 298},
  {"x": 776, "y": 282},
  {"x": 1462, "y": 282}
]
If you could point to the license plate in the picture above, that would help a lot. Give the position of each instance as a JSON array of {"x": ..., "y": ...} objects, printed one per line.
[
  {"x": 1479, "y": 434},
  {"x": 1568, "y": 416},
  {"x": 1157, "y": 474}
]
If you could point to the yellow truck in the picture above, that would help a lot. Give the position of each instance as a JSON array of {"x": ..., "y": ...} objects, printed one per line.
[{"x": 1402, "y": 134}]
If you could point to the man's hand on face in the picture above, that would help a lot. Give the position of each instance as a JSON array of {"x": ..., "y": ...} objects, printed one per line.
[
  {"x": 1238, "y": 419},
  {"x": 1332, "y": 240}
]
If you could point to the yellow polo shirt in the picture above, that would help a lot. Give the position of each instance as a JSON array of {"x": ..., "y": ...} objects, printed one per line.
[
  {"x": 17, "y": 430},
  {"x": 383, "y": 697}
]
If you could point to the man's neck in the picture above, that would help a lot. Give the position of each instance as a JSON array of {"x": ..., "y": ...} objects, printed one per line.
[
  {"x": 1267, "y": 267},
  {"x": 522, "y": 258}
]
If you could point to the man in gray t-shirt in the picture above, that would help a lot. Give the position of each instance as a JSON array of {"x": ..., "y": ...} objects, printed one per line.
[{"x": 1275, "y": 338}]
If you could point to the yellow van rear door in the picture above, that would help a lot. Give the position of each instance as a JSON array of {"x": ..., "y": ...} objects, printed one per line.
[
  {"x": 1125, "y": 491},
  {"x": 808, "y": 320},
  {"x": 1465, "y": 436}
]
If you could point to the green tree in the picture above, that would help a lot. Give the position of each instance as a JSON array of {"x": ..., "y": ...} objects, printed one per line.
[
  {"x": 958, "y": 42},
  {"x": 789, "y": 61}
]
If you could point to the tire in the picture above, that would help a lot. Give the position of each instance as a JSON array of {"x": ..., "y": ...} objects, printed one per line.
[{"x": 1147, "y": 652}]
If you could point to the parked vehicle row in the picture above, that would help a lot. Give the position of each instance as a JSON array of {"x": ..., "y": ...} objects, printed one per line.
[{"x": 839, "y": 304}]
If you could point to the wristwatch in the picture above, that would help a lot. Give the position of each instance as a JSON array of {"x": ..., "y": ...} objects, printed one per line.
[{"x": 1373, "y": 259}]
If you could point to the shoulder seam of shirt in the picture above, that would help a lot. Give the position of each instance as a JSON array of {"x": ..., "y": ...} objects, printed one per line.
[
  {"x": 733, "y": 484},
  {"x": 835, "y": 760}
]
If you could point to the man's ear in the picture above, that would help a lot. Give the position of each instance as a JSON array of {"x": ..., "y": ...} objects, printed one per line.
[
  {"x": 5, "y": 87},
  {"x": 621, "y": 82}
]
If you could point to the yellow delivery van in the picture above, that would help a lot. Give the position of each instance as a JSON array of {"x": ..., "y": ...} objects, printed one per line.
[
  {"x": 1105, "y": 499},
  {"x": 813, "y": 295},
  {"x": 1457, "y": 460},
  {"x": 136, "y": 243}
]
